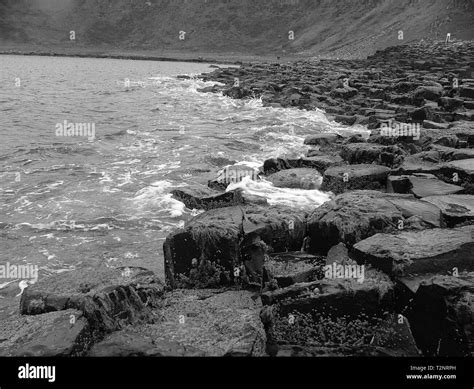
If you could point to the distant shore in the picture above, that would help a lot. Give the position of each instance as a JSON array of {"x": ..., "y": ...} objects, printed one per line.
[{"x": 149, "y": 55}]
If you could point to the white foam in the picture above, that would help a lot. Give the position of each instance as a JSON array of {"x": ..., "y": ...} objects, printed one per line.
[
  {"x": 154, "y": 199},
  {"x": 297, "y": 198}
]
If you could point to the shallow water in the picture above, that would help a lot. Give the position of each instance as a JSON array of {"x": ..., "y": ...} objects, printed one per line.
[{"x": 68, "y": 201}]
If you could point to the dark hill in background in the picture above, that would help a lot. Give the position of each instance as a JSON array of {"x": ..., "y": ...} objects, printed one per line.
[{"x": 338, "y": 27}]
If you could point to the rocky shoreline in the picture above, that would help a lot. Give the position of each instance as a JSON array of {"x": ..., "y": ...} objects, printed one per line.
[{"x": 384, "y": 268}]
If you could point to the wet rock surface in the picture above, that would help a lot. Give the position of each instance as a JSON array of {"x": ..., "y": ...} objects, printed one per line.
[
  {"x": 429, "y": 251},
  {"x": 109, "y": 298},
  {"x": 402, "y": 196},
  {"x": 384, "y": 268},
  {"x": 55, "y": 334},
  {"x": 441, "y": 315},
  {"x": 196, "y": 323}
]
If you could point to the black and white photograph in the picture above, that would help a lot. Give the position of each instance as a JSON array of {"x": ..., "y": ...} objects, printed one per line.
[{"x": 237, "y": 193}]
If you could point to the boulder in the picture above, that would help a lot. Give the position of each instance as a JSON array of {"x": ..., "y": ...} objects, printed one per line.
[
  {"x": 456, "y": 208},
  {"x": 360, "y": 153},
  {"x": 109, "y": 298},
  {"x": 338, "y": 254},
  {"x": 318, "y": 162},
  {"x": 344, "y": 93},
  {"x": 194, "y": 323},
  {"x": 237, "y": 92},
  {"x": 336, "y": 297},
  {"x": 212, "y": 245},
  {"x": 302, "y": 178},
  {"x": 409, "y": 252},
  {"x": 54, "y": 334},
  {"x": 441, "y": 316},
  {"x": 354, "y": 216},
  {"x": 390, "y": 336},
  {"x": 421, "y": 186},
  {"x": 339, "y": 179},
  {"x": 324, "y": 139},
  {"x": 428, "y": 92},
  {"x": 202, "y": 197}
]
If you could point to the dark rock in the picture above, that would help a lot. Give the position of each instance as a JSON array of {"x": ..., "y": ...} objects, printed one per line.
[
  {"x": 201, "y": 197},
  {"x": 199, "y": 322},
  {"x": 211, "y": 245},
  {"x": 346, "y": 119},
  {"x": 429, "y": 251},
  {"x": 53, "y": 334},
  {"x": 441, "y": 316},
  {"x": 127, "y": 343},
  {"x": 339, "y": 179},
  {"x": 422, "y": 187},
  {"x": 398, "y": 184},
  {"x": 450, "y": 103},
  {"x": 303, "y": 178},
  {"x": 428, "y": 92},
  {"x": 468, "y": 92},
  {"x": 344, "y": 93},
  {"x": 456, "y": 209},
  {"x": 236, "y": 92},
  {"x": 109, "y": 298},
  {"x": 360, "y": 153},
  {"x": 320, "y": 163},
  {"x": 354, "y": 216},
  {"x": 336, "y": 297},
  {"x": 324, "y": 139}
]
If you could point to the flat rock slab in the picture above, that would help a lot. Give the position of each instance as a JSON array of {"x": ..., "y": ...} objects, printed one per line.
[
  {"x": 452, "y": 154},
  {"x": 294, "y": 267},
  {"x": 339, "y": 179},
  {"x": 423, "y": 187},
  {"x": 319, "y": 162},
  {"x": 389, "y": 337},
  {"x": 441, "y": 316},
  {"x": 54, "y": 334},
  {"x": 202, "y": 197},
  {"x": 336, "y": 297},
  {"x": 324, "y": 139},
  {"x": 456, "y": 208},
  {"x": 360, "y": 153},
  {"x": 109, "y": 297},
  {"x": 302, "y": 178},
  {"x": 206, "y": 252},
  {"x": 196, "y": 322},
  {"x": 459, "y": 172},
  {"x": 464, "y": 168},
  {"x": 417, "y": 252},
  {"x": 354, "y": 216},
  {"x": 128, "y": 343}
]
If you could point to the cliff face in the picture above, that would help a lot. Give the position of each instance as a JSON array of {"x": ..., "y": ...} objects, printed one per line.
[{"x": 240, "y": 26}]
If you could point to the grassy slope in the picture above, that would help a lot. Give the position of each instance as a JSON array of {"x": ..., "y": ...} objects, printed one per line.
[{"x": 341, "y": 27}]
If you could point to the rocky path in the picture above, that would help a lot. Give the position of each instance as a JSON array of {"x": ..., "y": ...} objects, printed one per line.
[{"x": 384, "y": 268}]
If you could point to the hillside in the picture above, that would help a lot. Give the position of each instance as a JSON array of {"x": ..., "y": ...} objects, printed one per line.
[{"x": 341, "y": 27}]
